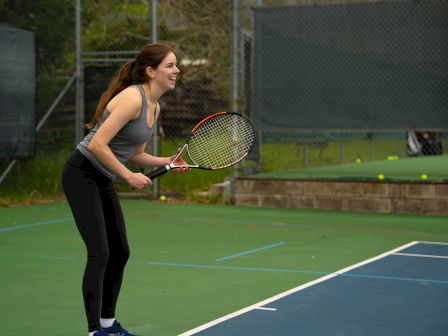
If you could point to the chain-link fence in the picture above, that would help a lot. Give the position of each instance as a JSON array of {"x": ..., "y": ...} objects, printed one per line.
[
  {"x": 338, "y": 82},
  {"x": 199, "y": 31},
  {"x": 325, "y": 82}
]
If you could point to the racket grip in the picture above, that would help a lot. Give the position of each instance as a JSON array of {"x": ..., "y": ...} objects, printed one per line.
[{"x": 160, "y": 171}]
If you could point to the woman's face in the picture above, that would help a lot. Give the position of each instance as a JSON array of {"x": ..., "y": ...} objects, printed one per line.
[{"x": 165, "y": 74}]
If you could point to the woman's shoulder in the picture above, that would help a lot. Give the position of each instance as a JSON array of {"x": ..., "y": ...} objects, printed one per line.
[
  {"x": 131, "y": 94},
  {"x": 132, "y": 91},
  {"x": 130, "y": 98}
]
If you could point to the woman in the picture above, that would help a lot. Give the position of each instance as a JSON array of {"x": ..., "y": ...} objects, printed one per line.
[{"x": 122, "y": 125}]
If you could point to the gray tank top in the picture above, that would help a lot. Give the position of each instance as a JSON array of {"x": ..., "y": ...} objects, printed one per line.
[{"x": 126, "y": 141}]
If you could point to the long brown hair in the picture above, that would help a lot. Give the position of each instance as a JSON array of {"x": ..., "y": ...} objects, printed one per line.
[{"x": 131, "y": 73}]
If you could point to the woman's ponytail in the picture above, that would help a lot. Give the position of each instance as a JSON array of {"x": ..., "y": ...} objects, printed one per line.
[{"x": 121, "y": 81}]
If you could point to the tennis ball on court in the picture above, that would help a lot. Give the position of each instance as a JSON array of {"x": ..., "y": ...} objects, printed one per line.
[
  {"x": 163, "y": 198},
  {"x": 380, "y": 177},
  {"x": 424, "y": 177},
  {"x": 358, "y": 160}
]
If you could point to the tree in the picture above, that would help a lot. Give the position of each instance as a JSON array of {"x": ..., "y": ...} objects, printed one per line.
[{"x": 201, "y": 30}]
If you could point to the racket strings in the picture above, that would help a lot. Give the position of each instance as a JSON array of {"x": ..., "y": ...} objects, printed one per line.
[{"x": 221, "y": 141}]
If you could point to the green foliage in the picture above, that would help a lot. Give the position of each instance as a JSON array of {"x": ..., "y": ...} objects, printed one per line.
[
  {"x": 34, "y": 179},
  {"x": 115, "y": 25},
  {"x": 201, "y": 30},
  {"x": 53, "y": 24},
  {"x": 51, "y": 21},
  {"x": 39, "y": 177}
]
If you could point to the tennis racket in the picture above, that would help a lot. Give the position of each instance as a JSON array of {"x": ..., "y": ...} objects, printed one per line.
[{"x": 216, "y": 142}]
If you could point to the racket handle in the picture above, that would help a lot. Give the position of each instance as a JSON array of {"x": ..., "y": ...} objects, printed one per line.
[{"x": 160, "y": 171}]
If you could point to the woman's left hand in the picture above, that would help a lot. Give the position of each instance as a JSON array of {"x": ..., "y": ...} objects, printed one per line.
[{"x": 179, "y": 162}]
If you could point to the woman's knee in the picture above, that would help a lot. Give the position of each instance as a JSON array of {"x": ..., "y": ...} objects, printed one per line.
[
  {"x": 100, "y": 255},
  {"x": 120, "y": 256}
]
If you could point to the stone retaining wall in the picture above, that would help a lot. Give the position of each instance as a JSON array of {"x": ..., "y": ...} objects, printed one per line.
[{"x": 384, "y": 197}]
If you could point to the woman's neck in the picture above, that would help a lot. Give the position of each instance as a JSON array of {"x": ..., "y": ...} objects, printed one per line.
[{"x": 152, "y": 93}]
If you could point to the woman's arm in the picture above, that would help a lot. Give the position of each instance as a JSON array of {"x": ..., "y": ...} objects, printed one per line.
[
  {"x": 143, "y": 159},
  {"x": 123, "y": 108}
]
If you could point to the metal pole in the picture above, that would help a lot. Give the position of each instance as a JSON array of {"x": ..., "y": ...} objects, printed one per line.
[
  {"x": 234, "y": 94},
  {"x": 55, "y": 102},
  {"x": 79, "y": 117},
  {"x": 253, "y": 112},
  {"x": 235, "y": 56},
  {"x": 154, "y": 21},
  {"x": 341, "y": 151},
  {"x": 305, "y": 156},
  {"x": 7, "y": 170},
  {"x": 155, "y": 137}
]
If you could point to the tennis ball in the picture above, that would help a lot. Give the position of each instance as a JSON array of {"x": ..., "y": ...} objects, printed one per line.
[
  {"x": 380, "y": 177},
  {"x": 424, "y": 177},
  {"x": 163, "y": 198},
  {"x": 358, "y": 160}
]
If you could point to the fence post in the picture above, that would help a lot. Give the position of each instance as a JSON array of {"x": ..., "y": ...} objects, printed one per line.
[
  {"x": 79, "y": 117},
  {"x": 155, "y": 135}
]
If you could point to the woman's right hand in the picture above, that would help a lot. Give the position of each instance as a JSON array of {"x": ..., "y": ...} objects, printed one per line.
[{"x": 138, "y": 180}]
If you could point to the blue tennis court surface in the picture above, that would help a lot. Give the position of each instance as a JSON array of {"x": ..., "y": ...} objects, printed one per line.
[{"x": 401, "y": 292}]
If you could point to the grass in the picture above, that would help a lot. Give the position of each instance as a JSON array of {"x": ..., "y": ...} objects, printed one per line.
[
  {"x": 408, "y": 169},
  {"x": 38, "y": 178},
  {"x": 284, "y": 156},
  {"x": 34, "y": 179}
]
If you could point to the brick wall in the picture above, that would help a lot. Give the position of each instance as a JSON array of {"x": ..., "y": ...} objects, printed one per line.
[{"x": 385, "y": 197}]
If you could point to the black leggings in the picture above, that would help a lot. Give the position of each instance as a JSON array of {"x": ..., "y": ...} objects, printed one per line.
[{"x": 99, "y": 218}]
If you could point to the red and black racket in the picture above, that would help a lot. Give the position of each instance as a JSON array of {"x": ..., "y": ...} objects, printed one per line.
[{"x": 216, "y": 142}]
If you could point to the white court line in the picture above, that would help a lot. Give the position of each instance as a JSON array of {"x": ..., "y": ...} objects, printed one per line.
[
  {"x": 293, "y": 290},
  {"x": 25, "y": 226},
  {"x": 266, "y": 308},
  {"x": 433, "y": 243},
  {"x": 421, "y": 255},
  {"x": 250, "y": 251}
]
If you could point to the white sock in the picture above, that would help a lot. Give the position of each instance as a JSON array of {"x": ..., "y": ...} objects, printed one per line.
[
  {"x": 106, "y": 323},
  {"x": 92, "y": 333}
]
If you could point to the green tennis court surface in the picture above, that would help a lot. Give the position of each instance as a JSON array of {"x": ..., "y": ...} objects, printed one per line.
[
  {"x": 406, "y": 169},
  {"x": 189, "y": 265}
]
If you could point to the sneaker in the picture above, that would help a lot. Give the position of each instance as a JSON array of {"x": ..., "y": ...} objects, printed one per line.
[
  {"x": 116, "y": 330},
  {"x": 100, "y": 332}
]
